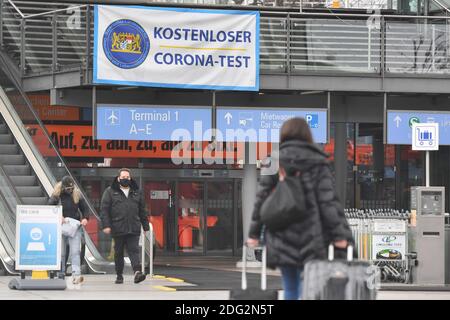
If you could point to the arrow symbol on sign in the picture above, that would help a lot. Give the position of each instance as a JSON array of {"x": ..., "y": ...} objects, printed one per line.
[
  {"x": 397, "y": 119},
  {"x": 228, "y": 117}
]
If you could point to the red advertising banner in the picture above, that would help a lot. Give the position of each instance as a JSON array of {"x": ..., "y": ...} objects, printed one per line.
[{"x": 77, "y": 141}]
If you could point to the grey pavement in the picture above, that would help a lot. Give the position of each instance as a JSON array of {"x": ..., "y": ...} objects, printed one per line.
[{"x": 102, "y": 287}]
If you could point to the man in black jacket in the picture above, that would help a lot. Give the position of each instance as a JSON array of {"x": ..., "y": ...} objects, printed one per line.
[{"x": 122, "y": 214}]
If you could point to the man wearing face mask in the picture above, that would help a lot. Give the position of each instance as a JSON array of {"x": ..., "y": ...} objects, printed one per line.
[
  {"x": 66, "y": 194},
  {"x": 122, "y": 215}
]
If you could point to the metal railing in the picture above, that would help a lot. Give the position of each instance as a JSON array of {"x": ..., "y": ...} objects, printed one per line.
[
  {"x": 53, "y": 38},
  {"x": 41, "y": 41},
  {"x": 143, "y": 249}
]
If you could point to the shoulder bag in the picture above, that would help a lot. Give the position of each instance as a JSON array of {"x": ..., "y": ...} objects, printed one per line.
[{"x": 284, "y": 205}]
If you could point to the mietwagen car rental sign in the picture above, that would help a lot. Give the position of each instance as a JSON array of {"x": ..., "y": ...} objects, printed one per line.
[{"x": 176, "y": 48}]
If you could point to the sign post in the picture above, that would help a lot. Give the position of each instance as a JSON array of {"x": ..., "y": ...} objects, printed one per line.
[
  {"x": 38, "y": 246},
  {"x": 425, "y": 137}
]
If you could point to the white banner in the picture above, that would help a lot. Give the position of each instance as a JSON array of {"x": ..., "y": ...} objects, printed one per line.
[
  {"x": 389, "y": 225},
  {"x": 176, "y": 48}
]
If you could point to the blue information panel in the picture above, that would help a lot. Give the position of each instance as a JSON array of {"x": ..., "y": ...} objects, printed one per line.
[
  {"x": 399, "y": 125},
  {"x": 38, "y": 237},
  {"x": 38, "y": 244},
  {"x": 138, "y": 122},
  {"x": 263, "y": 125}
]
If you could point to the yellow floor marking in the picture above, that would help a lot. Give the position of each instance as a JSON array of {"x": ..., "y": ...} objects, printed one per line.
[
  {"x": 175, "y": 280},
  {"x": 163, "y": 288}
]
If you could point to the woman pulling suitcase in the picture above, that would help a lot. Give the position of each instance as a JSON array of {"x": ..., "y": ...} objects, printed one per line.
[{"x": 308, "y": 232}]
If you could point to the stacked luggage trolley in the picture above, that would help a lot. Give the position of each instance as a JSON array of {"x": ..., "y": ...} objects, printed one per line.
[{"x": 381, "y": 238}]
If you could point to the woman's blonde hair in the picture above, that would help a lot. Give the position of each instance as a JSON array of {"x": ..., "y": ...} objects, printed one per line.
[{"x": 76, "y": 194}]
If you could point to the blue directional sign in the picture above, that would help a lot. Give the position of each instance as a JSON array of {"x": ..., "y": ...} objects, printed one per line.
[
  {"x": 263, "y": 125},
  {"x": 400, "y": 122},
  {"x": 138, "y": 122}
]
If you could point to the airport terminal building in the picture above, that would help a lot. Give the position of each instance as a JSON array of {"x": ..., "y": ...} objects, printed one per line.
[{"x": 360, "y": 76}]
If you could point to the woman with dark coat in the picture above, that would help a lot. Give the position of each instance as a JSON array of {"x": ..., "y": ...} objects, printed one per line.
[
  {"x": 290, "y": 248},
  {"x": 69, "y": 196}
]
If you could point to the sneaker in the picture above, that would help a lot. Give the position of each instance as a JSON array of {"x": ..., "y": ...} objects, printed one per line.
[
  {"x": 119, "y": 279},
  {"x": 139, "y": 277},
  {"x": 77, "y": 279}
]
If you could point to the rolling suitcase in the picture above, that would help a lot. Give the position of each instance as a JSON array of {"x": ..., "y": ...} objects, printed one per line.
[
  {"x": 340, "y": 279},
  {"x": 254, "y": 293}
]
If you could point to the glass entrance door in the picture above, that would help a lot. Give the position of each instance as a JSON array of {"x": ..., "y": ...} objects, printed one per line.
[
  {"x": 94, "y": 188},
  {"x": 206, "y": 217},
  {"x": 193, "y": 216},
  {"x": 190, "y": 224},
  {"x": 220, "y": 217},
  {"x": 374, "y": 168},
  {"x": 159, "y": 199}
]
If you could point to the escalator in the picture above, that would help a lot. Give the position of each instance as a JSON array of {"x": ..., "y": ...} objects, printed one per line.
[
  {"x": 18, "y": 170},
  {"x": 7, "y": 225},
  {"x": 29, "y": 169}
]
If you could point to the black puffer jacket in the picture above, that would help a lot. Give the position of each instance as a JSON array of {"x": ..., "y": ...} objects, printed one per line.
[
  {"x": 326, "y": 222},
  {"x": 123, "y": 215}
]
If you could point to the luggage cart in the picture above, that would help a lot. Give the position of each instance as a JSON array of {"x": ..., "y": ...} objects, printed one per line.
[{"x": 381, "y": 237}]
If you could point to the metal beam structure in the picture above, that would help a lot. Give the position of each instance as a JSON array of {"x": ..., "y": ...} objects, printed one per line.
[
  {"x": 286, "y": 83},
  {"x": 298, "y": 52},
  {"x": 359, "y": 83}
]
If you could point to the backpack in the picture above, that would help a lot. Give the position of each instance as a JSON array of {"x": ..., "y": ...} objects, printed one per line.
[{"x": 285, "y": 205}]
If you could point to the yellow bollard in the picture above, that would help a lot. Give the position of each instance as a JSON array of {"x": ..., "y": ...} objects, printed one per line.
[{"x": 39, "y": 275}]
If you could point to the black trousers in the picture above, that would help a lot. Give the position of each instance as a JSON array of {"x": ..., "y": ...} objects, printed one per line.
[{"x": 131, "y": 242}]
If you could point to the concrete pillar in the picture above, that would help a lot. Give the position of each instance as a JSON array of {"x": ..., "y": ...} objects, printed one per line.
[
  {"x": 249, "y": 186},
  {"x": 340, "y": 160}
]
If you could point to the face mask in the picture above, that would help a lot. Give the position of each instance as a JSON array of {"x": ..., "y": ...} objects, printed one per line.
[
  {"x": 68, "y": 190},
  {"x": 124, "y": 183}
]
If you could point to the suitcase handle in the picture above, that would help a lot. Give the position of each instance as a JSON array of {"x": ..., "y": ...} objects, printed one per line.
[
  {"x": 244, "y": 267},
  {"x": 331, "y": 252}
]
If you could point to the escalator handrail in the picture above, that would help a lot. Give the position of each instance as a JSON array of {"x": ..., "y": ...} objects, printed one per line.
[
  {"x": 8, "y": 266},
  {"x": 10, "y": 185},
  {"x": 447, "y": 10},
  {"x": 4, "y": 254},
  {"x": 10, "y": 215},
  {"x": 3, "y": 200}
]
